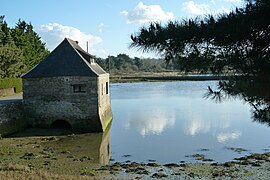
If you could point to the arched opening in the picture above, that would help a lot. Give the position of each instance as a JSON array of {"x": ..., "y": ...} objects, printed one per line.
[{"x": 61, "y": 124}]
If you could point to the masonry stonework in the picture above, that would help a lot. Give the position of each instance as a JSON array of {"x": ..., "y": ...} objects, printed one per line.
[
  {"x": 68, "y": 86},
  {"x": 47, "y": 100}
]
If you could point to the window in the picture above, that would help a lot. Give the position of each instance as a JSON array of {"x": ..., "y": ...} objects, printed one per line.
[
  {"x": 79, "y": 88},
  {"x": 107, "y": 88},
  {"x": 101, "y": 89}
]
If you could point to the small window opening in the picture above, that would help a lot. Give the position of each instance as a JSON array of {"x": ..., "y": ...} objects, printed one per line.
[
  {"x": 79, "y": 88},
  {"x": 107, "y": 88},
  {"x": 101, "y": 89}
]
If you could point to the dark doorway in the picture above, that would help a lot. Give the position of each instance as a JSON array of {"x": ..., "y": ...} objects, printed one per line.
[{"x": 61, "y": 124}]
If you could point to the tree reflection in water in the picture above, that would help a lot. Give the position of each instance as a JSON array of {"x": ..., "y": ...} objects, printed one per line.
[{"x": 254, "y": 91}]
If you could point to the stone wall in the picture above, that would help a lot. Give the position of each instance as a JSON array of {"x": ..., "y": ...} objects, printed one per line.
[
  {"x": 104, "y": 104},
  {"x": 7, "y": 91},
  {"x": 76, "y": 100},
  {"x": 11, "y": 118}
]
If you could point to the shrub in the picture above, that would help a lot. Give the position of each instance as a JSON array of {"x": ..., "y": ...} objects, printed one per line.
[{"x": 11, "y": 82}]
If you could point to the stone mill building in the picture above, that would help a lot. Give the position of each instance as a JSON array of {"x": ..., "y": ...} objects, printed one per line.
[{"x": 67, "y": 88}]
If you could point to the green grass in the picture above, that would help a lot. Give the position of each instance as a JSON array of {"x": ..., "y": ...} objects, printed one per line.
[{"x": 10, "y": 83}]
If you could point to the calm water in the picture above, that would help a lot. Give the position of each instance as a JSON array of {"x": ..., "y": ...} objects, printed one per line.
[{"x": 165, "y": 121}]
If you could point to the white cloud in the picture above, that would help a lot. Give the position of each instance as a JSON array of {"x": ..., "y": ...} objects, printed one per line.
[
  {"x": 197, "y": 9},
  {"x": 201, "y": 9},
  {"x": 232, "y": 1},
  {"x": 53, "y": 33},
  {"x": 228, "y": 1},
  {"x": 143, "y": 13}
]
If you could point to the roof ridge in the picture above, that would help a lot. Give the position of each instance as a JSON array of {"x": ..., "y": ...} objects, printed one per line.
[{"x": 67, "y": 59}]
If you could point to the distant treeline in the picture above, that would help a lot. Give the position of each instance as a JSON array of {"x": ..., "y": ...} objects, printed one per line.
[{"x": 122, "y": 64}]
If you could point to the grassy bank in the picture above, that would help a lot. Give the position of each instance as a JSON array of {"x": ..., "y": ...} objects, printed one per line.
[
  {"x": 142, "y": 78},
  {"x": 11, "y": 83}
]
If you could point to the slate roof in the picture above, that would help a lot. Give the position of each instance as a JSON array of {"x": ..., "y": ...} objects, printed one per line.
[{"x": 67, "y": 59}]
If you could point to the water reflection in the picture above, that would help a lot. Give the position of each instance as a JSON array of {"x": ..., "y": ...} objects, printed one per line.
[
  {"x": 96, "y": 146},
  {"x": 152, "y": 121},
  {"x": 179, "y": 122},
  {"x": 253, "y": 90},
  {"x": 224, "y": 137},
  {"x": 195, "y": 127}
]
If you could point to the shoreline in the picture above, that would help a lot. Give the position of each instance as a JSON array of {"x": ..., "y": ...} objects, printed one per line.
[
  {"x": 27, "y": 156},
  {"x": 255, "y": 166},
  {"x": 151, "y": 78}
]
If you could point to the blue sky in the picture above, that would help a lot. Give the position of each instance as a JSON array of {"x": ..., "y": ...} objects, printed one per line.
[{"x": 105, "y": 24}]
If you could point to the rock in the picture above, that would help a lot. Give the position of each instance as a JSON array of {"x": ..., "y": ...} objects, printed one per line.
[
  {"x": 46, "y": 163},
  {"x": 183, "y": 165},
  {"x": 137, "y": 170},
  {"x": 104, "y": 168},
  {"x": 203, "y": 149},
  {"x": 245, "y": 163},
  {"x": 241, "y": 158},
  {"x": 47, "y": 156},
  {"x": 191, "y": 175},
  {"x": 199, "y": 157},
  {"x": 117, "y": 163},
  {"x": 215, "y": 174},
  {"x": 170, "y": 165},
  {"x": 258, "y": 156},
  {"x": 255, "y": 164},
  {"x": 70, "y": 156},
  {"x": 239, "y": 150},
  {"x": 159, "y": 175},
  {"x": 116, "y": 168},
  {"x": 65, "y": 152},
  {"x": 209, "y": 160},
  {"x": 84, "y": 158},
  {"x": 28, "y": 156},
  {"x": 127, "y": 155},
  {"x": 152, "y": 164},
  {"x": 229, "y": 164}
]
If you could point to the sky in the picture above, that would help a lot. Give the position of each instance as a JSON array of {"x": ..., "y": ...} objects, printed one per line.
[{"x": 105, "y": 24}]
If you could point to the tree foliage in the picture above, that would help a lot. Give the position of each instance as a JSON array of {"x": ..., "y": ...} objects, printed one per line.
[
  {"x": 11, "y": 61},
  {"x": 238, "y": 41},
  {"x": 29, "y": 42},
  {"x": 20, "y": 48}
]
